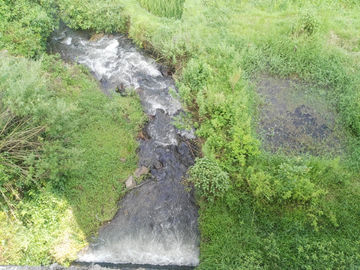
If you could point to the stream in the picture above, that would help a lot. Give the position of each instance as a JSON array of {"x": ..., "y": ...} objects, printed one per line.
[{"x": 156, "y": 223}]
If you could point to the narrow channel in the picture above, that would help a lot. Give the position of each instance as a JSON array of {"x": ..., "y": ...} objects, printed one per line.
[{"x": 156, "y": 223}]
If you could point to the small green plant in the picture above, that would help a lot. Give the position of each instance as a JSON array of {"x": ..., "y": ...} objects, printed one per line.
[
  {"x": 307, "y": 23},
  {"x": 209, "y": 179},
  {"x": 291, "y": 184}
]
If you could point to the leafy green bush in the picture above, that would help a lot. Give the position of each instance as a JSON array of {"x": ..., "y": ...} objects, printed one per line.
[
  {"x": 224, "y": 115},
  {"x": 209, "y": 179},
  {"x": 35, "y": 126},
  {"x": 194, "y": 79},
  {"x": 105, "y": 16},
  {"x": 291, "y": 184},
  {"x": 25, "y": 26}
]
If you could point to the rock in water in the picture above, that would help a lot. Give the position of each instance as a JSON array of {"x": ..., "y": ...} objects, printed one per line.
[
  {"x": 141, "y": 171},
  {"x": 130, "y": 182}
]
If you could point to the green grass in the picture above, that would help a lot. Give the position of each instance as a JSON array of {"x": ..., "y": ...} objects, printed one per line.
[{"x": 164, "y": 8}]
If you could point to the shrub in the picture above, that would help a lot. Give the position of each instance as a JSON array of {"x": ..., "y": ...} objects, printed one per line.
[
  {"x": 25, "y": 26},
  {"x": 290, "y": 184},
  {"x": 209, "y": 179},
  {"x": 89, "y": 14},
  {"x": 194, "y": 79},
  {"x": 34, "y": 130}
]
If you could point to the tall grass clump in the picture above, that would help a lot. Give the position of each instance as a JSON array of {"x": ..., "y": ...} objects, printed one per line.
[{"x": 164, "y": 8}]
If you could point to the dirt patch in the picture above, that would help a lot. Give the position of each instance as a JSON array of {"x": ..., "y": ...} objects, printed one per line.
[{"x": 295, "y": 118}]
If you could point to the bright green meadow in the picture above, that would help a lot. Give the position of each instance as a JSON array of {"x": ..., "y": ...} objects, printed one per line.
[{"x": 259, "y": 209}]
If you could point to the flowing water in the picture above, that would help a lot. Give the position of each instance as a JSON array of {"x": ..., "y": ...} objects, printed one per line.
[{"x": 157, "y": 222}]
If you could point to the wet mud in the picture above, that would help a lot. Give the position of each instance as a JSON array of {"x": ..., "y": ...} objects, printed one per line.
[{"x": 295, "y": 118}]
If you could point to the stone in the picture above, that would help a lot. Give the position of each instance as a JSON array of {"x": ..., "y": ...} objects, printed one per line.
[
  {"x": 130, "y": 182},
  {"x": 54, "y": 266},
  {"x": 143, "y": 135},
  {"x": 141, "y": 171},
  {"x": 158, "y": 165},
  {"x": 121, "y": 90},
  {"x": 123, "y": 160},
  {"x": 96, "y": 37}
]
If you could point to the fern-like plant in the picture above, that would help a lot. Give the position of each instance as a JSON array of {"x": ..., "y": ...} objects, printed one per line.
[{"x": 208, "y": 178}]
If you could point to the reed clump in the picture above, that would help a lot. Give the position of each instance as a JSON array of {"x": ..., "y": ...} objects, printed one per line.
[{"x": 164, "y": 8}]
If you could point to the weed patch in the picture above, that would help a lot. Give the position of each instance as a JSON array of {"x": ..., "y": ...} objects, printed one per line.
[{"x": 170, "y": 9}]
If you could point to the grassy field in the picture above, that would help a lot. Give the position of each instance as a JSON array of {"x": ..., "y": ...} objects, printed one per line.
[{"x": 258, "y": 210}]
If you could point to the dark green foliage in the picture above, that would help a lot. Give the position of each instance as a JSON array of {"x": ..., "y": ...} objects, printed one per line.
[
  {"x": 25, "y": 26},
  {"x": 208, "y": 178},
  {"x": 92, "y": 15}
]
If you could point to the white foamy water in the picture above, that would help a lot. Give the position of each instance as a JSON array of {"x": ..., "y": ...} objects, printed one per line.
[
  {"x": 120, "y": 66},
  {"x": 146, "y": 251}
]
